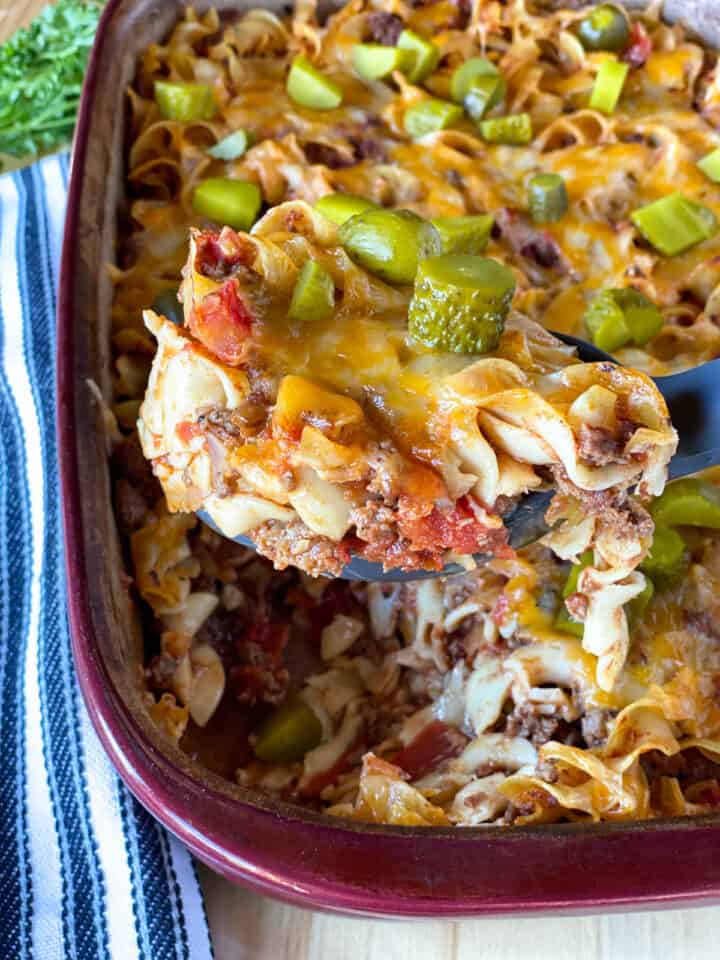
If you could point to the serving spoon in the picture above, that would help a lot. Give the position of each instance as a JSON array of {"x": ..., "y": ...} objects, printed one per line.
[{"x": 693, "y": 400}]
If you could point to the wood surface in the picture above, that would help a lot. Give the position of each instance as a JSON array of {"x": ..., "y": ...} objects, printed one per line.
[{"x": 248, "y": 927}]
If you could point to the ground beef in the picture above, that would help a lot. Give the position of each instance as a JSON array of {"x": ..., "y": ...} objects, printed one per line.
[
  {"x": 531, "y": 243},
  {"x": 130, "y": 506},
  {"x": 243, "y": 422},
  {"x": 294, "y": 544},
  {"x": 128, "y": 461},
  {"x": 252, "y": 648},
  {"x": 577, "y": 605},
  {"x": 220, "y": 255},
  {"x": 594, "y": 726},
  {"x": 368, "y": 147},
  {"x": 528, "y": 721},
  {"x": 329, "y": 156},
  {"x": 385, "y": 28},
  {"x": 689, "y": 766},
  {"x": 702, "y": 622},
  {"x": 599, "y": 446}
]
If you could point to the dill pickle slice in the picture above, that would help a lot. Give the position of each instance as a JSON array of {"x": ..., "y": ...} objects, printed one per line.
[
  {"x": 185, "y": 102},
  {"x": 667, "y": 559},
  {"x": 288, "y": 733},
  {"x": 460, "y": 303},
  {"x": 547, "y": 197},
  {"x": 389, "y": 243},
  {"x": 339, "y": 207},
  {"x": 373, "y": 61},
  {"x": 636, "y": 608},
  {"x": 689, "y": 502},
  {"x": 314, "y": 294},
  {"x": 605, "y": 28},
  {"x": 464, "y": 234},
  {"x": 309, "y": 87},
  {"x": 484, "y": 93},
  {"x": 428, "y": 116},
  {"x": 424, "y": 55},
  {"x": 467, "y": 75}
]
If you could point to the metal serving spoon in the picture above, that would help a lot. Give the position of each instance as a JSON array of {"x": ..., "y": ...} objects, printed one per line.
[{"x": 693, "y": 399}]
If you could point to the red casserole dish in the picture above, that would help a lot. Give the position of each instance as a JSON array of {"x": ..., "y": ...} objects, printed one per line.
[{"x": 298, "y": 856}]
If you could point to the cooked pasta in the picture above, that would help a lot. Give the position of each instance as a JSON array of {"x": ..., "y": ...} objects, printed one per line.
[{"x": 575, "y": 679}]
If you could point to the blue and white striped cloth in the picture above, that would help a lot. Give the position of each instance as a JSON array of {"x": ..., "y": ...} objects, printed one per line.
[{"x": 85, "y": 872}]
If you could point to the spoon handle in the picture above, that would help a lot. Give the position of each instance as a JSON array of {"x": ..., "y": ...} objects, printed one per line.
[{"x": 693, "y": 399}]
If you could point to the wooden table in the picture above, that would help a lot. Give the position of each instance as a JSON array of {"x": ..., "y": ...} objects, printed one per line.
[{"x": 248, "y": 927}]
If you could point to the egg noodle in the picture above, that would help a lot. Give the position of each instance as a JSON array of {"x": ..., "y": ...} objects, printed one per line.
[{"x": 474, "y": 699}]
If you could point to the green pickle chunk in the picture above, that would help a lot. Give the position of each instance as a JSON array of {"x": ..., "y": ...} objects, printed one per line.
[
  {"x": 468, "y": 73},
  {"x": 605, "y": 320},
  {"x": 710, "y": 165},
  {"x": 232, "y": 147},
  {"x": 424, "y": 55},
  {"x": 667, "y": 559},
  {"x": 389, "y": 243},
  {"x": 636, "y": 608},
  {"x": 460, "y": 303},
  {"x": 339, "y": 207},
  {"x": 483, "y": 94},
  {"x": 563, "y": 620},
  {"x": 690, "y": 502},
  {"x": 615, "y": 317},
  {"x": 233, "y": 202},
  {"x": 185, "y": 101},
  {"x": 427, "y": 116},
  {"x": 291, "y": 730},
  {"x": 547, "y": 197},
  {"x": 167, "y": 305},
  {"x": 373, "y": 61},
  {"x": 314, "y": 294},
  {"x": 464, "y": 234},
  {"x": 605, "y": 28},
  {"x": 608, "y": 86},
  {"x": 514, "y": 129},
  {"x": 674, "y": 223},
  {"x": 309, "y": 87}
]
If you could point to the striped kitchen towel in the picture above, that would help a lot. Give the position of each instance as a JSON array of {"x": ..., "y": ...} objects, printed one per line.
[{"x": 85, "y": 872}]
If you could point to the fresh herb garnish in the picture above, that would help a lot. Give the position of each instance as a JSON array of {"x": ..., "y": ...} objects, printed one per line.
[{"x": 41, "y": 75}]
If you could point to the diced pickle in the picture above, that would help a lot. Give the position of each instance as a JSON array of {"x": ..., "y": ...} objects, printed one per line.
[
  {"x": 373, "y": 61},
  {"x": 424, "y": 55},
  {"x": 514, "y": 129},
  {"x": 710, "y": 165},
  {"x": 339, "y": 207},
  {"x": 635, "y": 609},
  {"x": 314, "y": 294},
  {"x": 674, "y": 223},
  {"x": 605, "y": 28},
  {"x": 389, "y": 243},
  {"x": 288, "y": 733},
  {"x": 232, "y": 147},
  {"x": 482, "y": 95},
  {"x": 690, "y": 502},
  {"x": 167, "y": 305},
  {"x": 563, "y": 620},
  {"x": 608, "y": 85},
  {"x": 427, "y": 116},
  {"x": 547, "y": 197},
  {"x": 469, "y": 72},
  {"x": 605, "y": 320},
  {"x": 464, "y": 234},
  {"x": 667, "y": 559},
  {"x": 615, "y": 317},
  {"x": 309, "y": 87},
  {"x": 460, "y": 303},
  {"x": 185, "y": 101},
  {"x": 232, "y": 202}
]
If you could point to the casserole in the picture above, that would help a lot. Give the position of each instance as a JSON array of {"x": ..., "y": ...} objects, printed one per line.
[{"x": 317, "y": 861}]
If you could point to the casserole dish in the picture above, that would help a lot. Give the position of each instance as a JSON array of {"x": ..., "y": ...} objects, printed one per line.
[{"x": 300, "y": 856}]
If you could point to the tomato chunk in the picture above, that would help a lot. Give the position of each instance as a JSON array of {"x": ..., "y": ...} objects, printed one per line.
[
  {"x": 222, "y": 322},
  {"x": 434, "y": 744}
]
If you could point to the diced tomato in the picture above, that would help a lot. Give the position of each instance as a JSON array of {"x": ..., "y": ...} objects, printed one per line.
[
  {"x": 258, "y": 673},
  {"x": 639, "y": 47},
  {"x": 457, "y": 529},
  {"x": 314, "y": 787},
  {"x": 434, "y": 744},
  {"x": 222, "y": 322},
  {"x": 218, "y": 255},
  {"x": 186, "y": 431}
]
